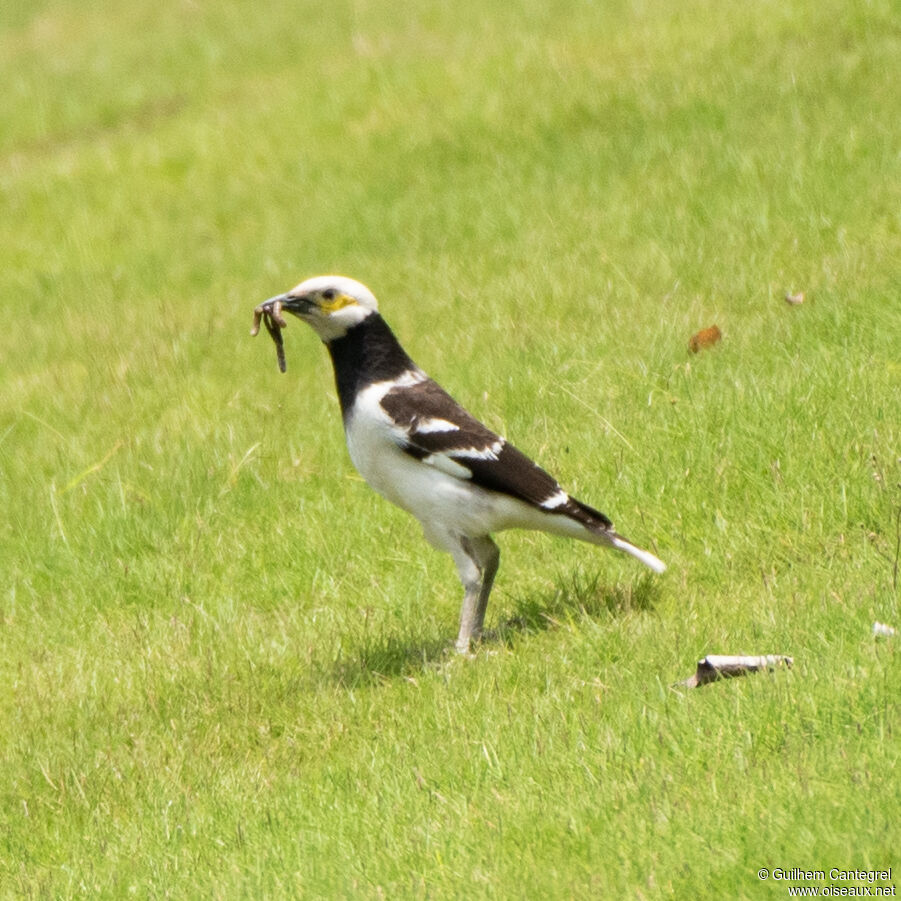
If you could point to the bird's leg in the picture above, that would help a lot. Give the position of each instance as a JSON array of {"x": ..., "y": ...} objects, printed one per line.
[
  {"x": 491, "y": 558},
  {"x": 477, "y": 562}
]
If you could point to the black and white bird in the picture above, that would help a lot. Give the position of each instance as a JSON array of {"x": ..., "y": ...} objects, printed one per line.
[{"x": 417, "y": 447}]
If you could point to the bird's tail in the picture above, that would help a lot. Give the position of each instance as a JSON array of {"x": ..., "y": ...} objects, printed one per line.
[
  {"x": 646, "y": 557},
  {"x": 600, "y": 531}
]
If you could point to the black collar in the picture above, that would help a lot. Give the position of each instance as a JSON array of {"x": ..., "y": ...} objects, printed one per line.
[{"x": 366, "y": 353}]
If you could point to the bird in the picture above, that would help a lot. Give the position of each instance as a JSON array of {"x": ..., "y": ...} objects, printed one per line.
[{"x": 419, "y": 449}]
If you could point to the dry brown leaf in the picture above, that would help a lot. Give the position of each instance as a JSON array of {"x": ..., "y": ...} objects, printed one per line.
[{"x": 707, "y": 337}]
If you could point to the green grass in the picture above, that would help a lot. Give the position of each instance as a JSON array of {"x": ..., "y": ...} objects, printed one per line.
[{"x": 224, "y": 661}]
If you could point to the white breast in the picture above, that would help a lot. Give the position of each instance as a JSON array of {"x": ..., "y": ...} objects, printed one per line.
[{"x": 374, "y": 444}]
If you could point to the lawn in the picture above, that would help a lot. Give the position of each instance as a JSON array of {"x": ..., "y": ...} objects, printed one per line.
[{"x": 225, "y": 663}]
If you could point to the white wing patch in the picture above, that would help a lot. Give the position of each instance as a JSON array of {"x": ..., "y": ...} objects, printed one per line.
[
  {"x": 453, "y": 461},
  {"x": 427, "y": 426},
  {"x": 447, "y": 465},
  {"x": 555, "y": 500},
  {"x": 479, "y": 453}
]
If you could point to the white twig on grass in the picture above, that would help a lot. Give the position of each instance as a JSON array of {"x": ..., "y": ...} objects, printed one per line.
[{"x": 720, "y": 666}]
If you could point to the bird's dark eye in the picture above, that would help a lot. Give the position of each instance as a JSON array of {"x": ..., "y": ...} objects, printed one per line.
[{"x": 329, "y": 293}]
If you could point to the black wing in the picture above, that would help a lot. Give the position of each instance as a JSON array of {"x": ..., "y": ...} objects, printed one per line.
[{"x": 434, "y": 428}]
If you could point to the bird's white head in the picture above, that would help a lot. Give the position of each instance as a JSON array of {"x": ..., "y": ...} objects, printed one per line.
[{"x": 331, "y": 304}]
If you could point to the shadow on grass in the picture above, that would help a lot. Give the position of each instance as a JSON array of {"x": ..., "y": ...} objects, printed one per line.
[
  {"x": 399, "y": 655},
  {"x": 580, "y": 597}
]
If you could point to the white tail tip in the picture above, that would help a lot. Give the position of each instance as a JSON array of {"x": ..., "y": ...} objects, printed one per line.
[{"x": 646, "y": 557}]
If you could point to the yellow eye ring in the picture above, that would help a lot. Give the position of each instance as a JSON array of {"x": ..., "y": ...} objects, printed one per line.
[{"x": 332, "y": 304}]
